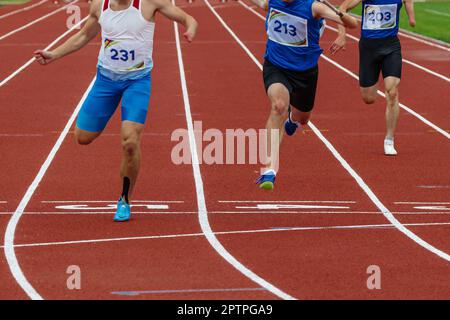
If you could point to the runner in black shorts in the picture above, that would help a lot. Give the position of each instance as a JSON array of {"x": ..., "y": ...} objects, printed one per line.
[
  {"x": 380, "y": 51},
  {"x": 302, "y": 85},
  {"x": 290, "y": 69}
]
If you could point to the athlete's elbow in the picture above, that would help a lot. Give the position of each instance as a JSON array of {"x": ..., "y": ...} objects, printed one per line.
[{"x": 351, "y": 23}]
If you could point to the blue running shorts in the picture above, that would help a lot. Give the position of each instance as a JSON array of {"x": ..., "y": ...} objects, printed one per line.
[{"x": 104, "y": 97}]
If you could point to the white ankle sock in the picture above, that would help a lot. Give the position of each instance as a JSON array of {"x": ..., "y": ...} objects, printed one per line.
[{"x": 270, "y": 171}]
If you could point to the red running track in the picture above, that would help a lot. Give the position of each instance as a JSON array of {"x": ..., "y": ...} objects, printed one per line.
[{"x": 297, "y": 249}]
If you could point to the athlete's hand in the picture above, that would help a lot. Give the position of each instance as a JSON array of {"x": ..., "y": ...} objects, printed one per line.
[
  {"x": 412, "y": 22},
  {"x": 191, "y": 29},
  {"x": 338, "y": 44},
  {"x": 44, "y": 57}
]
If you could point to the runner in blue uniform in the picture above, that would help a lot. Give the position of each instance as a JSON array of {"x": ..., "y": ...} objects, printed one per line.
[
  {"x": 290, "y": 70},
  {"x": 380, "y": 51}
]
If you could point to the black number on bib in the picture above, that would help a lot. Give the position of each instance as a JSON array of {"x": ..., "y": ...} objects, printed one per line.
[
  {"x": 286, "y": 28},
  {"x": 124, "y": 55}
]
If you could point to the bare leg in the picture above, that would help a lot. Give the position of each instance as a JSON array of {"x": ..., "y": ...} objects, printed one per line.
[
  {"x": 369, "y": 94},
  {"x": 131, "y": 140},
  {"x": 300, "y": 116},
  {"x": 84, "y": 137},
  {"x": 279, "y": 100},
  {"x": 392, "y": 108}
]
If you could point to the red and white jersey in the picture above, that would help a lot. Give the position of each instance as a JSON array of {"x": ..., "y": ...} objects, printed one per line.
[{"x": 127, "y": 42}]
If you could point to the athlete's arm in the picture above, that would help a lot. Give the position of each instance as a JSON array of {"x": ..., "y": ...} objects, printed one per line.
[
  {"x": 340, "y": 41},
  {"x": 176, "y": 14},
  {"x": 328, "y": 12},
  {"x": 409, "y": 7},
  {"x": 77, "y": 41},
  {"x": 263, "y": 4}
]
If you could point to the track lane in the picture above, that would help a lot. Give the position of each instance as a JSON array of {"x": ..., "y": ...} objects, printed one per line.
[
  {"x": 262, "y": 254},
  {"x": 161, "y": 264},
  {"x": 428, "y": 105},
  {"x": 19, "y": 47},
  {"x": 417, "y": 51}
]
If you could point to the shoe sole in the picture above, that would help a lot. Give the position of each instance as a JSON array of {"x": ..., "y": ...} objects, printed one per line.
[{"x": 267, "y": 185}]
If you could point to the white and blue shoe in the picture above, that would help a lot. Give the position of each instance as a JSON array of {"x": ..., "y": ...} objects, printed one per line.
[
  {"x": 290, "y": 126},
  {"x": 267, "y": 180},
  {"x": 123, "y": 212}
]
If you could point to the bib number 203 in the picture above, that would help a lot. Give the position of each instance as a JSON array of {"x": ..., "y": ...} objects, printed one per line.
[
  {"x": 123, "y": 55},
  {"x": 379, "y": 16},
  {"x": 285, "y": 28}
]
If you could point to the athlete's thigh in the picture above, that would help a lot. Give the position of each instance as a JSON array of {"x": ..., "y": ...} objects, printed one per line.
[
  {"x": 391, "y": 83},
  {"x": 278, "y": 92},
  {"x": 369, "y": 65},
  {"x": 392, "y": 65},
  {"x": 100, "y": 105},
  {"x": 304, "y": 94},
  {"x": 136, "y": 99}
]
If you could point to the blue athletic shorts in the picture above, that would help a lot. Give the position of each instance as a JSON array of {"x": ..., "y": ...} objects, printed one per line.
[{"x": 104, "y": 97}]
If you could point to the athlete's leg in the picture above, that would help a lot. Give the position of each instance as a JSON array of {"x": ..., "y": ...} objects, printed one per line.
[
  {"x": 84, "y": 137},
  {"x": 392, "y": 107},
  {"x": 300, "y": 116},
  {"x": 279, "y": 100},
  {"x": 135, "y": 102},
  {"x": 97, "y": 109},
  {"x": 369, "y": 94},
  {"x": 131, "y": 133}
]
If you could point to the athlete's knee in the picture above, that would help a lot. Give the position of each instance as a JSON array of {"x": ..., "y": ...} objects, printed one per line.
[
  {"x": 82, "y": 138},
  {"x": 369, "y": 98},
  {"x": 392, "y": 94},
  {"x": 280, "y": 107},
  {"x": 130, "y": 144}
]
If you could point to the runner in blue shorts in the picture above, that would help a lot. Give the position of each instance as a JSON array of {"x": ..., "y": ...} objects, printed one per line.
[{"x": 124, "y": 74}]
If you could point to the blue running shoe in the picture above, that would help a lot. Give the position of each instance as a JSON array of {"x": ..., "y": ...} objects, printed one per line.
[
  {"x": 290, "y": 126},
  {"x": 266, "y": 181},
  {"x": 123, "y": 212}
]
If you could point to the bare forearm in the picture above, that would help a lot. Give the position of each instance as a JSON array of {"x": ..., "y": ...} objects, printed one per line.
[
  {"x": 348, "y": 21},
  {"x": 409, "y": 7},
  {"x": 74, "y": 43},
  {"x": 189, "y": 22},
  {"x": 263, "y": 4}
]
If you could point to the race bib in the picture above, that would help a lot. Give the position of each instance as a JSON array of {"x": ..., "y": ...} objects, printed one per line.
[
  {"x": 380, "y": 17},
  {"x": 287, "y": 29},
  {"x": 122, "y": 56}
]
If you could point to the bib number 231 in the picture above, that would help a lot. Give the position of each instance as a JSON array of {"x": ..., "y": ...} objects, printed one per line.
[{"x": 123, "y": 55}]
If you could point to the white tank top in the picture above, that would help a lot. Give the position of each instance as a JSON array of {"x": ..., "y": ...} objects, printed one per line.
[{"x": 127, "y": 42}]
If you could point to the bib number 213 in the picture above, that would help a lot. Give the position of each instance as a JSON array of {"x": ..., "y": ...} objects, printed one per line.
[{"x": 285, "y": 28}]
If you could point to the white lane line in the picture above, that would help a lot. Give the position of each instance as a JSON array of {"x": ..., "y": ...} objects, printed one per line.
[
  {"x": 283, "y": 201},
  {"x": 36, "y": 21},
  {"x": 110, "y": 201},
  {"x": 12, "y": 224},
  {"x": 29, "y": 62},
  {"x": 437, "y": 12},
  {"x": 37, "y": 213},
  {"x": 22, "y": 9},
  {"x": 357, "y": 39},
  {"x": 236, "y": 232},
  {"x": 416, "y": 65},
  {"x": 202, "y": 211},
  {"x": 137, "y": 293},
  {"x": 404, "y": 107},
  {"x": 346, "y": 166},
  {"x": 422, "y": 202}
]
